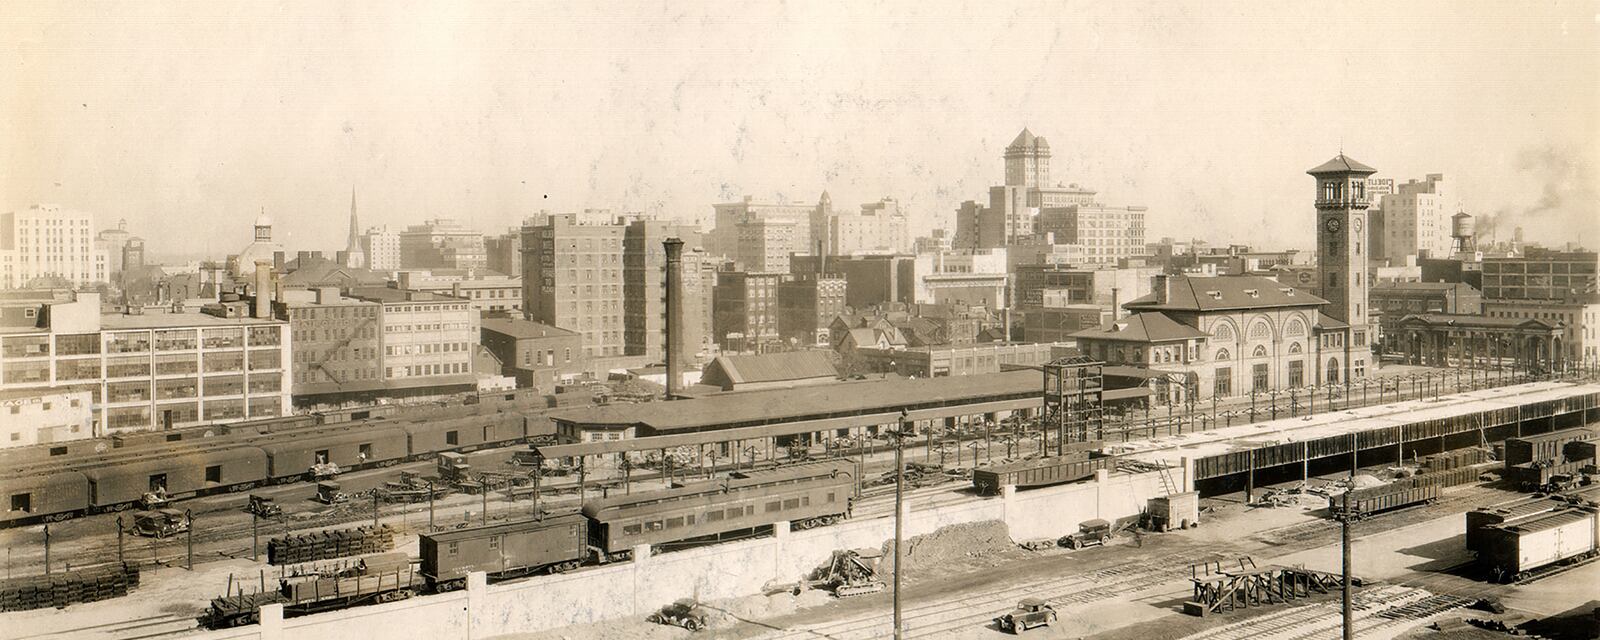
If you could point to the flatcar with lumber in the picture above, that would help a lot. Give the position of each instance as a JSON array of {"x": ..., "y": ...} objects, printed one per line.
[{"x": 382, "y": 578}]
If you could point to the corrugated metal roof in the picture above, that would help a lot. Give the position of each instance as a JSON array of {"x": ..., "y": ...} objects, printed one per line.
[
  {"x": 1142, "y": 327},
  {"x": 775, "y": 367},
  {"x": 1214, "y": 293},
  {"x": 755, "y": 408}
]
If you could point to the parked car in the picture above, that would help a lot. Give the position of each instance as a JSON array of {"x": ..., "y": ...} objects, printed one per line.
[
  {"x": 1090, "y": 533},
  {"x": 1030, "y": 613},
  {"x": 684, "y": 613},
  {"x": 159, "y": 523}
]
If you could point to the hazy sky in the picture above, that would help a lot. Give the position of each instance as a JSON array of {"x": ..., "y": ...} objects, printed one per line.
[{"x": 188, "y": 118}]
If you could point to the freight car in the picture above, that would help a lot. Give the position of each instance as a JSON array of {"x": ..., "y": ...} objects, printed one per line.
[
  {"x": 1547, "y": 476},
  {"x": 1552, "y": 446},
  {"x": 117, "y": 487},
  {"x": 1365, "y": 503},
  {"x": 384, "y": 578},
  {"x": 1484, "y": 517},
  {"x": 1041, "y": 472},
  {"x": 505, "y": 550},
  {"x": 292, "y": 460},
  {"x": 1517, "y": 550},
  {"x": 805, "y": 495}
]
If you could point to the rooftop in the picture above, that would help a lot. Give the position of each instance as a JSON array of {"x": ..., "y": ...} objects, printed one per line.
[
  {"x": 112, "y": 322},
  {"x": 1342, "y": 164},
  {"x": 774, "y": 367},
  {"x": 389, "y": 295},
  {"x": 1216, "y": 293},
  {"x": 522, "y": 329},
  {"x": 774, "y": 406},
  {"x": 1142, "y": 327}
]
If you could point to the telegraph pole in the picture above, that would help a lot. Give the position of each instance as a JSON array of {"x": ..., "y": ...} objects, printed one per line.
[
  {"x": 1344, "y": 528},
  {"x": 899, "y": 510}
]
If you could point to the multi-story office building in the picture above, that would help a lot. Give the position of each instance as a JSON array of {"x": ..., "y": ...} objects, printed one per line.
[
  {"x": 1017, "y": 210},
  {"x": 382, "y": 249},
  {"x": 153, "y": 371},
  {"x": 572, "y": 274},
  {"x": 745, "y": 310},
  {"x": 1540, "y": 274},
  {"x": 963, "y": 278},
  {"x": 869, "y": 280},
  {"x": 936, "y": 241},
  {"x": 759, "y": 236},
  {"x": 113, "y": 240},
  {"x": 644, "y": 275},
  {"x": 442, "y": 244},
  {"x": 880, "y": 228},
  {"x": 807, "y": 303},
  {"x": 377, "y": 342},
  {"x": 47, "y": 242},
  {"x": 505, "y": 252},
  {"x": 1416, "y": 219},
  {"x": 486, "y": 292}
]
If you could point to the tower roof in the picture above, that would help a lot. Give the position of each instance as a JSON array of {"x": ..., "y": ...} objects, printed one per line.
[
  {"x": 1342, "y": 164},
  {"x": 1026, "y": 140},
  {"x": 263, "y": 221}
]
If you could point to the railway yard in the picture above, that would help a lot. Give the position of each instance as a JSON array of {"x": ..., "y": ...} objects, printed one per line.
[{"x": 1266, "y": 504}]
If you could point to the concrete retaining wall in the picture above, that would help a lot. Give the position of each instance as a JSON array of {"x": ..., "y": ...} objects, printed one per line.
[{"x": 722, "y": 571}]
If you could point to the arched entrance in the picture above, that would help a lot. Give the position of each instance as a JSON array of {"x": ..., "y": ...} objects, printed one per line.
[{"x": 1333, "y": 372}]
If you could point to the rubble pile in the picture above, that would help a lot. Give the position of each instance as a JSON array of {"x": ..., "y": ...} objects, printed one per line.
[{"x": 989, "y": 539}]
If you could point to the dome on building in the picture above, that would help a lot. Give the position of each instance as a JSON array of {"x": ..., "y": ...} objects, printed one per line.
[{"x": 263, "y": 220}]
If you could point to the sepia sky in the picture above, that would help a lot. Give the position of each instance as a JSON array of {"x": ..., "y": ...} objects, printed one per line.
[{"x": 188, "y": 118}]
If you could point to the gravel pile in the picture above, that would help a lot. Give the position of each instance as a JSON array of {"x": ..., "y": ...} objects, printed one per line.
[{"x": 955, "y": 544}]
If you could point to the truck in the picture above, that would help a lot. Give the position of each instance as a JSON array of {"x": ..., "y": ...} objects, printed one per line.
[
  {"x": 1090, "y": 533},
  {"x": 263, "y": 507},
  {"x": 1030, "y": 613}
]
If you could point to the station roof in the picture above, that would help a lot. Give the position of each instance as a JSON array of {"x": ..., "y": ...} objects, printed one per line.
[
  {"x": 1217, "y": 293},
  {"x": 777, "y": 406}
]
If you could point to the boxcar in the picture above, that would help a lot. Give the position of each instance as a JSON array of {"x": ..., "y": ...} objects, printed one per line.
[
  {"x": 1513, "y": 550},
  {"x": 1041, "y": 472},
  {"x": 1515, "y": 510},
  {"x": 503, "y": 550},
  {"x": 1365, "y": 503},
  {"x": 450, "y": 434},
  {"x": 805, "y": 495},
  {"x": 366, "y": 447},
  {"x": 44, "y": 498},
  {"x": 182, "y": 473}
]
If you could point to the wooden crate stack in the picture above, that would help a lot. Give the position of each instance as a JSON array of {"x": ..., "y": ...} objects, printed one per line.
[
  {"x": 322, "y": 545},
  {"x": 66, "y": 588}
]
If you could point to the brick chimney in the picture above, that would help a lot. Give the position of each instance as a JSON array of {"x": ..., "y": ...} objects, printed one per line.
[
  {"x": 1161, "y": 285},
  {"x": 674, "y": 343}
]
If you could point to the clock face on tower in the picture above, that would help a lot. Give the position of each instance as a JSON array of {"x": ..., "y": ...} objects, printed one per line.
[
  {"x": 1355, "y": 225},
  {"x": 1331, "y": 224}
]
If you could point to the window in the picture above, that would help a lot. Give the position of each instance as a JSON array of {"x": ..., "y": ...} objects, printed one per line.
[
  {"x": 1224, "y": 386},
  {"x": 1260, "y": 352},
  {"x": 455, "y": 547},
  {"x": 22, "y": 502},
  {"x": 714, "y": 516},
  {"x": 158, "y": 482},
  {"x": 632, "y": 529},
  {"x": 674, "y": 523},
  {"x": 791, "y": 503},
  {"x": 774, "y": 506},
  {"x": 1259, "y": 377},
  {"x": 494, "y": 542},
  {"x": 451, "y": 438},
  {"x": 214, "y": 473},
  {"x": 1333, "y": 371},
  {"x": 1297, "y": 373},
  {"x": 1360, "y": 368},
  {"x": 364, "y": 451},
  {"x": 1222, "y": 354}
]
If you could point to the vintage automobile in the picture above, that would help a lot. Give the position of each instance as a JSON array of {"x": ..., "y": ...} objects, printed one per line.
[
  {"x": 1090, "y": 533},
  {"x": 159, "y": 523},
  {"x": 329, "y": 492},
  {"x": 1030, "y": 613},
  {"x": 684, "y": 613},
  {"x": 263, "y": 507}
]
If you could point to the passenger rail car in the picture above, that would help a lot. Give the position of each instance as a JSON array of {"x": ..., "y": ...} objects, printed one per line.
[
  {"x": 1517, "y": 550},
  {"x": 806, "y": 495},
  {"x": 505, "y": 550},
  {"x": 42, "y": 488}
]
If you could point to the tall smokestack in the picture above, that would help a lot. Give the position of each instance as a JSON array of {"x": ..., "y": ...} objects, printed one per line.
[
  {"x": 674, "y": 346},
  {"x": 1116, "y": 303},
  {"x": 263, "y": 306}
]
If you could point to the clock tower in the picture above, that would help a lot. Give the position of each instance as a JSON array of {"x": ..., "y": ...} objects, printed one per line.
[{"x": 1342, "y": 247}]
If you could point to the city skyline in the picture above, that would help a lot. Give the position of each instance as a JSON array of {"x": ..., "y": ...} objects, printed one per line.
[{"x": 192, "y": 117}]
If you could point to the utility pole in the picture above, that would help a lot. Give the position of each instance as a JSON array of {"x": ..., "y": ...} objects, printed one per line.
[
  {"x": 899, "y": 510},
  {"x": 1344, "y": 528}
]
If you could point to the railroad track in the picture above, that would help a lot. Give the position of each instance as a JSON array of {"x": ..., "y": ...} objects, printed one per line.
[
  {"x": 1323, "y": 531},
  {"x": 134, "y": 629},
  {"x": 1078, "y": 589}
]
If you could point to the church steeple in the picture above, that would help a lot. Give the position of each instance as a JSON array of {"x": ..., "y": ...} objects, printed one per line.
[{"x": 354, "y": 256}]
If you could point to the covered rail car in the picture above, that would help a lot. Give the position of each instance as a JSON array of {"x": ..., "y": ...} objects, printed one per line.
[
  {"x": 370, "y": 447},
  {"x": 182, "y": 474},
  {"x": 1544, "y": 475},
  {"x": 1514, "y": 550},
  {"x": 504, "y": 550},
  {"x": 1484, "y": 517},
  {"x": 805, "y": 495},
  {"x": 1552, "y": 446},
  {"x": 464, "y": 434},
  {"x": 49, "y": 497}
]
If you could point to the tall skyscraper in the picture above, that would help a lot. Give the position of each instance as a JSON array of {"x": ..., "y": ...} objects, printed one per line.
[
  {"x": 1342, "y": 256},
  {"x": 354, "y": 255},
  {"x": 442, "y": 244},
  {"x": 1416, "y": 219}
]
